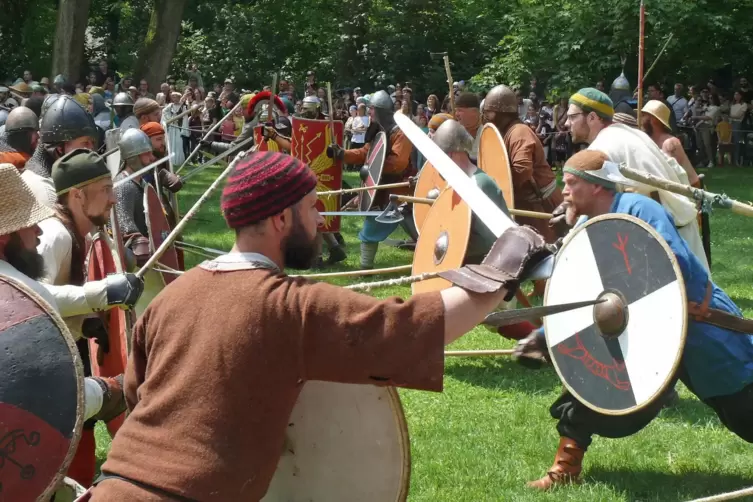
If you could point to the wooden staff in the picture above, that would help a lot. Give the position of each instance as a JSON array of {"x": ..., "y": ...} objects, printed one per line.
[
  {"x": 141, "y": 171},
  {"x": 211, "y": 131},
  {"x": 449, "y": 83},
  {"x": 182, "y": 114},
  {"x": 664, "y": 48},
  {"x": 514, "y": 212},
  {"x": 182, "y": 224},
  {"x": 216, "y": 159},
  {"x": 641, "y": 52},
  {"x": 478, "y": 353},
  {"x": 363, "y": 189},
  {"x": 331, "y": 113},
  {"x": 402, "y": 281},
  {"x": 414, "y": 200},
  {"x": 351, "y": 273},
  {"x": 697, "y": 194}
]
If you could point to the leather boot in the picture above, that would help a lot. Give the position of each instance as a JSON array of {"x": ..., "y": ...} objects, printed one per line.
[{"x": 568, "y": 464}]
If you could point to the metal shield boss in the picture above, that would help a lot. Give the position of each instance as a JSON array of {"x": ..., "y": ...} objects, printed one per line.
[
  {"x": 344, "y": 443},
  {"x": 41, "y": 395},
  {"x": 375, "y": 164},
  {"x": 494, "y": 161},
  {"x": 159, "y": 229},
  {"x": 309, "y": 145},
  {"x": 616, "y": 357}
]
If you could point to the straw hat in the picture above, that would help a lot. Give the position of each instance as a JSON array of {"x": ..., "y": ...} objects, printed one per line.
[
  {"x": 18, "y": 207},
  {"x": 659, "y": 111}
]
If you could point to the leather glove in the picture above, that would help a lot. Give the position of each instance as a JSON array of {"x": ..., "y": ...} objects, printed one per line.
[
  {"x": 514, "y": 253},
  {"x": 124, "y": 290},
  {"x": 559, "y": 220},
  {"x": 532, "y": 351},
  {"x": 171, "y": 181},
  {"x": 94, "y": 329},
  {"x": 335, "y": 152},
  {"x": 140, "y": 247},
  {"x": 269, "y": 132},
  {"x": 113, "y": 402}
]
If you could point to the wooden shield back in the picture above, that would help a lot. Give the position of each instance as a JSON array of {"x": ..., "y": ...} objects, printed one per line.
[
  {"x": 443, "y": 241},
  {"x": 100, "y": 263},
  {"x": 159, "y": 229},
  {"x": 494, "y": 161},
  {"x": 344, "y": 443},
  {"x": 41, "y": 395},
  {"x": 309, "y": 143},
  {"x": 428, "y": 179}
]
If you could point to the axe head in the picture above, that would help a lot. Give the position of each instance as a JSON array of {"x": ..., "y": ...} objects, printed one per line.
[{"x": 391, "y": 214}]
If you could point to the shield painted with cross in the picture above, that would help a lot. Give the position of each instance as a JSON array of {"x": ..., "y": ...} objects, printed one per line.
[
  {"x": 41, "y": 395},
  {"x": 618, "y": 356},
  {"x": 309, "y": 145},
  {"x": 159, "y": 229},
  {"x": 375, "y": 163}
]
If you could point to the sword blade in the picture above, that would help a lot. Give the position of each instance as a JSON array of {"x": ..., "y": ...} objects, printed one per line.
[{"x": 508, "y": 317}]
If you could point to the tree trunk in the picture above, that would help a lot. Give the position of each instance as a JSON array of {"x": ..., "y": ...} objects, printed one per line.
[
  {"x": 70, "y": 36},
  {"x": 161, "y": 40}
]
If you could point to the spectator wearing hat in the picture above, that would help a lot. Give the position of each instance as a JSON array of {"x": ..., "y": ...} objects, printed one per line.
[
  {"x": 147, "y": 110},
  {"x": 655, "y": 122}
]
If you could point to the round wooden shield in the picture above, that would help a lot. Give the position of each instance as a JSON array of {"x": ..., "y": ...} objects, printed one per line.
[
  {"x": 429, "y": 183},
  {"x": 375, "y": 162},
  {"x": 494, "y": 161},
  {"x": 159, "y": 229},
  {"x": 100, "y": 263},
  {"x": 41, "y": 395},
  {"x": 443, "y": 241},
  {"x": 344, "y": 443},
  {"x": 616, "y": 357}
]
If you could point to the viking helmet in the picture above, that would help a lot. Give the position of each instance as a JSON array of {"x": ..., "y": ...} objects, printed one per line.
[
  {"x": 620, "y": 83},
  {"x": 383, "y": 114},
  {"x": 122, "y": 99},
  {"x": 451, "y": 137},
  {"x": 65, "y": 120},
  {"x": 382, "y": 100},
  {"x": 21, "y": 119},
  {"x": 501, "y": 99},
  {"x": 133, "y": 143}
]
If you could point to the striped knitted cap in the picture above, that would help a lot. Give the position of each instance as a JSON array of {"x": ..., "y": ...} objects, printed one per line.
[
  {"x": 437, "y": 120},
  {"x": 262, "y": 185},
  {"x": 589, "y": 100}
]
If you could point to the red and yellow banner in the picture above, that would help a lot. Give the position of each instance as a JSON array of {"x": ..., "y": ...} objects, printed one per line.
[{"x": 309, "y": 143}]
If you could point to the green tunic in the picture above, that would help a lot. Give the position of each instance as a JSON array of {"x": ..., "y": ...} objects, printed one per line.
[{"x": 482, "y": 238}]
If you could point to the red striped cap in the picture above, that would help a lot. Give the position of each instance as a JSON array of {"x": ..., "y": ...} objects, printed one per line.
[{"x": 263, "y": 185}]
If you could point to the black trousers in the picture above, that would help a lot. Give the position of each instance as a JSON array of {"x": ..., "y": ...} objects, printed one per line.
[{"x": 579, "y": 422}]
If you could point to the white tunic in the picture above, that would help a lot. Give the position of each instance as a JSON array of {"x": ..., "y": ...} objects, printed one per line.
[{"x": 623, "y": 144}]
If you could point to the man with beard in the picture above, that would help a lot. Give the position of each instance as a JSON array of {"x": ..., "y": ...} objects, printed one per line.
[
  {"x": 167, "y": 180},
  {"x": 534, "y": 183},
  {"x": 288, "y": 332},
  {"x": 397, "y": 168},
  {"x": 656, "y": 123},
  {"x": 147, "y": 110},
  {"x": 64, "y": 127},
  {"x": 468, "y": 113},
  {"x": 717, "y": 362},
  {"x": 20, "y": 233},
  {"x": 589, "y": 118},
  {"x": 123, "y": 105}
]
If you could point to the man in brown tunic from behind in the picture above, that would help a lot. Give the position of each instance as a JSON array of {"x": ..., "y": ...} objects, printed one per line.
[{"x": 211, "y": 384}]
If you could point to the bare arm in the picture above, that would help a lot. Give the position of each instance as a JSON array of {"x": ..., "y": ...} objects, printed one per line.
[
  {"x": 464, "y": 310},
  {"x": 673, "y": 148}
]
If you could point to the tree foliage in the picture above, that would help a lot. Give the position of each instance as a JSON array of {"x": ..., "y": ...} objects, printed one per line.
[{"x": 563, "y": 44}]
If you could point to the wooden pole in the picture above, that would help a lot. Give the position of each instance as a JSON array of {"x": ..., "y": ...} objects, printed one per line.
[
  {"x": 211, "y": 131},
  {"x": 363, "y": 189},
  {"x": 478, "y": 353},
  {"x": 449, "y": 83},
  {"x": 352, "y": 273},
  {"x": 641, "y": 53}
]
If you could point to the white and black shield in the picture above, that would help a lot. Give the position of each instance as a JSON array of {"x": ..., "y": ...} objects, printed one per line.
[
  {"x": 618, "y": 356},
  {"x": 375, "y": 163}
]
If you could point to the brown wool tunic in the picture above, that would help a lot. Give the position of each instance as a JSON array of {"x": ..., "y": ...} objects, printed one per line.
[{"x": 219, "y": 359}]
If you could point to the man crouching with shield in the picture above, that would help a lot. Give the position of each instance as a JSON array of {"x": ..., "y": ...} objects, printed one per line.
[{"x": 391, "y": 166}]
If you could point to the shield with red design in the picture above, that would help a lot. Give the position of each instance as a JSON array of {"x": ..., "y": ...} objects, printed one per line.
[
  {"x": 309, "y": 143},
  {"x": 269, "y": 145},
  {"x": 375, "y": 164},
  {"x": 609, "y": 356},
  {"x": 111, "y": 360},
  {"x": 159, "y": 229},
  {"x": 41, "y": 395}
]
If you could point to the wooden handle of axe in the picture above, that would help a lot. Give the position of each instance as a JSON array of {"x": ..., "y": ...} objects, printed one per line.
[{"x": 414, "y": 200}]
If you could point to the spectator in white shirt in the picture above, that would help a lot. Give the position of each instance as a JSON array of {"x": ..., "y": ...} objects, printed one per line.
[
  {"x": 523, "y": 105},
  {"x": 737, "y": 112}
]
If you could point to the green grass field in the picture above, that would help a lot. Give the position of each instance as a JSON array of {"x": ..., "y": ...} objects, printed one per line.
[{"x": 490, "y": 431}]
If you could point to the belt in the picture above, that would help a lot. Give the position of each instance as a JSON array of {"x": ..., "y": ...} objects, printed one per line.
[
  {"x": 702, "y": 313},
  {"x": 541, "y": 194}
]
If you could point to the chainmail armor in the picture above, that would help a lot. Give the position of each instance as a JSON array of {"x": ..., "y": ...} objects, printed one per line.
[
  {"x": 40, "y": 162},
  {"x": 130, "y": 207}
]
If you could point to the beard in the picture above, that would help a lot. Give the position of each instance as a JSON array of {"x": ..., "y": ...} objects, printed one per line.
[
  {"x": 648, "y": 127},
  {"x": 571, "y": 215},
  {"x": 27, "y": 261},
  {"x": 299, "y": 250}
]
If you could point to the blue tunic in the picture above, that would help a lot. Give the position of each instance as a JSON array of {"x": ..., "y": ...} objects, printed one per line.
[{"x": 718, "y": 361}]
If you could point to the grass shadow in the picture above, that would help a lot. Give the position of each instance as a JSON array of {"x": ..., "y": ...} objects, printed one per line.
[
  {"x": 500, "y": 372},
  {"x": 689, "y": 410}
]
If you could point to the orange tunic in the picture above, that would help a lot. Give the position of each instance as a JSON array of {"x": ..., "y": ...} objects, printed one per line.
[
  {"x": 18, "y": 159},
  {"x": 534, "y": 183}
]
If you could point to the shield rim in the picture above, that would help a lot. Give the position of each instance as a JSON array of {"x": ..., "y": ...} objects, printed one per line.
[
  {"x": 420, "y": 287},
  {"x": 420, "y": 211},
  {"x": 362, "y": 206},
  {"x": 489, "y": 126},
  {"x": 684, "y": 302},
  {"x": 153, "y": 247},
  {"x": 79, "y": 372}
]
